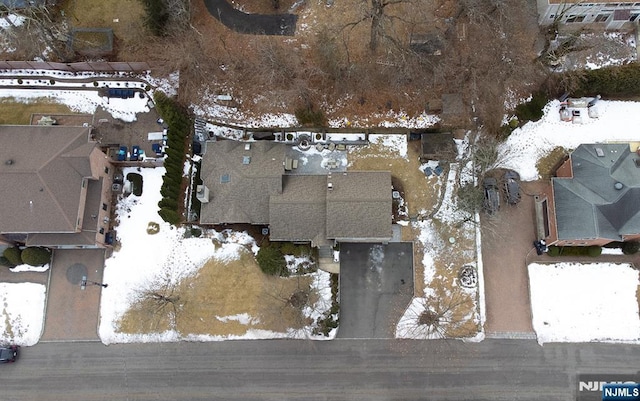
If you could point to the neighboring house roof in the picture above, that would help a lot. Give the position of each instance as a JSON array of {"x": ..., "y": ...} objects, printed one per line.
[
  {"x": 602, "y": 199},
  {"x": 42, "y": 170},
  {"x": 240, "y": 181},
  {"x": 359, "y": 205}
]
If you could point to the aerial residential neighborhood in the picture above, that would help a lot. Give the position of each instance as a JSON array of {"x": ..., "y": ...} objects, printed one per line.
[{"x": 234, "y": 199}]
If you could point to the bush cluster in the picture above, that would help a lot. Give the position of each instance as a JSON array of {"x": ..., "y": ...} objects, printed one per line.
[
  {"x": 179, "y": 123},
  {"x": 271, "y": 260},
  {"x": 532, "y": 110},
  {"x": 13, "y": 256},
  {"x": 289, "y": 248},
  {"x": 330, "y": 320},
  {"x": 592, "y": 251},
  {"x": 157, "y": 16},
  {"x": 33, "y": 256},
  {"x": 309, "y": 116},
  {"x": 36, "y": 256},
  {"x": 630, "y": 248}
]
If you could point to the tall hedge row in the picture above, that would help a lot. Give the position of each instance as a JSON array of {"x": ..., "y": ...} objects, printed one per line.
[
  {"x": 615, "y": 81},
  {"x": 179, "y": 129}
]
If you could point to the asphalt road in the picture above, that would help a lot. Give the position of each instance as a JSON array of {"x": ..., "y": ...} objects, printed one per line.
[
  {"x": 255, "y": 24},
  {"x": 294, "y": 370}
]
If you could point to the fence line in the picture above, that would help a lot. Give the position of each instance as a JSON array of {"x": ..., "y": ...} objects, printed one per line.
[{"x": 95, "y": 66}]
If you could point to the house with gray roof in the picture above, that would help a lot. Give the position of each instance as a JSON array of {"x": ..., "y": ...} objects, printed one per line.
[
  {"x": 596, "y": 196},
  {"x": 56, "y": 187},
  {"x": 248, "y": 183}
]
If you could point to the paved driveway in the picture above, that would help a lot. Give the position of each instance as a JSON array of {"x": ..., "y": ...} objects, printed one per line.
[
  {"x": 506, "y": 241},
  {"x": 376, "y": 285},
  {"x": 72, "y": 313},
  {"x": 255, "y": 24}
]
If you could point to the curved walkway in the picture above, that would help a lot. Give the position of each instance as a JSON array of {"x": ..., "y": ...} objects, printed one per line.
[{"x": 254, "y": 24}]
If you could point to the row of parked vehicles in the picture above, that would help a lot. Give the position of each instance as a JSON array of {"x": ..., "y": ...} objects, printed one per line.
[{"x": 510, "y": 186}]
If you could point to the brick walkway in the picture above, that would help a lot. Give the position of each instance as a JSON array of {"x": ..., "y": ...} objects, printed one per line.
[{"x": 506, "y": 241}]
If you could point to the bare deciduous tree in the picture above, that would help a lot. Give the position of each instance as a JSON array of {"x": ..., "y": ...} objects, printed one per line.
[
  {"x": 40, "y": 31},
  {"x": 440, "y": 317},
  {"x": 376, "y": 12}
]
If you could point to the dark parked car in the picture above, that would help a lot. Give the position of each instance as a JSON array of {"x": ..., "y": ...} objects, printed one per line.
[
  {"x": 9, "y": 354},
  {"x": 122, "y": 153},
  {"x": 135, "y": 153},
  {"x": 491, "y": 196},
  {"x": 511, "y": 187}
]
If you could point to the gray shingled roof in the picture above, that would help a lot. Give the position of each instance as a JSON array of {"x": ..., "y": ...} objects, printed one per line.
[
  {"x": 359, "y": 205},
  {"x": 296, "y": 207},
  {"x": 245, "y": 197},
  {"x": 300, "y": 212},
  {"x": 589, "y": 205},
  {"x": 41, "y": 173}
]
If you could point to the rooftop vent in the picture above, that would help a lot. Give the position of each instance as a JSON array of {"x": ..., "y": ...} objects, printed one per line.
[
  {"x": 246, "y": 159},
  {"x": 330, "y": 186},
  {"x": 618, "y": 186},
  {"x": 9, "y": 162},
  {"x": 599, "y": 152},
  {"x": 247, "y": 146},
  {"x": 225, "y": 178}
]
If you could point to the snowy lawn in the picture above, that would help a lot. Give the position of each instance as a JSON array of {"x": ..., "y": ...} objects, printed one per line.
[
  {"x": 170, "y": 286},
  {"x": 617, "y": 122},
  {"x": 590, "y": 302},
  {"x": 22, "y": 313}
]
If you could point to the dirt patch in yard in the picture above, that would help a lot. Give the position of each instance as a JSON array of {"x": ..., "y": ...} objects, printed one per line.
[
  {"x": 420, "y": 192},
  {"x": 456, "y": 239},
  {"x": 125, "y": 17},
  {"x": 223, "y": 299}
]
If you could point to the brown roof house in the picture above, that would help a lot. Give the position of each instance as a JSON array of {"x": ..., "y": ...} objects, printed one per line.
[
  {"x": 595, "y": 198},
  {"x": 247, "y": 183},
  {"x": 56, "y": 187}
]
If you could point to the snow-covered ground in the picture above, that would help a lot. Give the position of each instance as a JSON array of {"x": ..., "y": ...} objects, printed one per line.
[
  {"x": 22, "y": 313},
  {"x": 617, "y": 122},
  {"x": 574, "y": 302},
  {"x": 168, "y": 256},
  {"x": 143, "y": 257}
]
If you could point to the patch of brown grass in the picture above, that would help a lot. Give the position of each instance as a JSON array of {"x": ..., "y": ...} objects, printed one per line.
[
  {"x": 222, "y": 289},
  {"x": 422, "y": 196},
  {"x": 548, "y": 164},
  {"x": 129, "y": 15},
  {"x": 13, "y": 112},
  {"x": 420, "y": 192}
]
